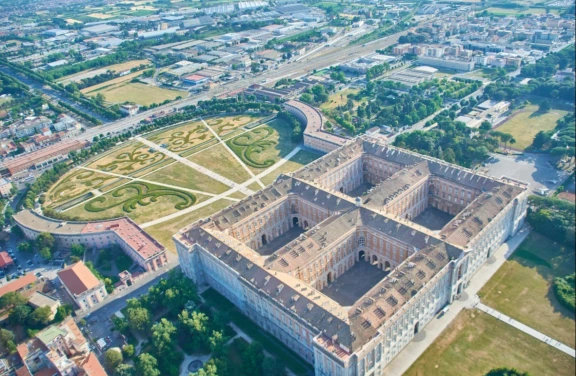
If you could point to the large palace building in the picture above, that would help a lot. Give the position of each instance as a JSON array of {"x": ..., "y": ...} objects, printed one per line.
[{"x": 348, "y": 258}]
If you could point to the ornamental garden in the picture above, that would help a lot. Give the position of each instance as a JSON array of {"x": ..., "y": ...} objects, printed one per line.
[{"x": 180, "y": 173}]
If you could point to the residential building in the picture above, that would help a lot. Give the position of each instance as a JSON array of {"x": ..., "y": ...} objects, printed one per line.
[
  {"x": 460, "y": 65},
  {"x": 5, "y": 188},
  {"x": 42, "y": 158},
  {"x": 82, "y": 285},
  {"x": 20, "y": 284},
  {"x": 5, "y": 260},
  {"x": 39, "y": 299},
  {"x": 60, "y": 349},
  {"x": 129, "y": 109}
]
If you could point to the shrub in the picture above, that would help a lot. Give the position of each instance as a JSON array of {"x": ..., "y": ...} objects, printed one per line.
[{"x": 564, "y": 288}]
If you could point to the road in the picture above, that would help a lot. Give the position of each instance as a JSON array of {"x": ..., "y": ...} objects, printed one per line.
[
  {"x": 49, "y": 92},
  {"x": 337, "y": 54}
]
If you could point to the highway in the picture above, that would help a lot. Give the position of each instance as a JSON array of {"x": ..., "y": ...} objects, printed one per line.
[{"x": 332, "y": 54}]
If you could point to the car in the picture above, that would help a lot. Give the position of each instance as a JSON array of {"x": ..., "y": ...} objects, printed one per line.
[
  {"x": 29, "y": 262},
  {"x": 38, "y": 275},
  {"x": 553, "y": 181}
]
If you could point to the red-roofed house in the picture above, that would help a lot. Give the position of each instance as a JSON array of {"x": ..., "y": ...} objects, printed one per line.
[
  {"x": 82, "y": 285},
  {"x": 18, "y": 284},
  {"x": 5, "y": 260}
]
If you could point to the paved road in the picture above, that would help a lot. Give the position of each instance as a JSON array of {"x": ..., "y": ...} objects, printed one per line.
[
  {"x": 526, "y": 329},
  {"x": 48, "y": 91},
  {"x": 337, "y": 55}
]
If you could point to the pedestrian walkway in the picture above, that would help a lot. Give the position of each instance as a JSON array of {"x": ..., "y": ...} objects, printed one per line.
[
  {"x": 232, "y": 152},
  {"x": 196, "y": 167},
  {"x": 526, "y": 329},
  {"x": 224, "y": 194},
  {"x": 399, "y": 365}
]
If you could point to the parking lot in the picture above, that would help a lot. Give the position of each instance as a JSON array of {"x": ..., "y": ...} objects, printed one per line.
[
  {"x": 26, "y": 263},
  {"x": 534, "y": 169}
]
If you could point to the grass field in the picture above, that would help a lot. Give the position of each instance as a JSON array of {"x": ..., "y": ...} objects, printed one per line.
[
  {"x": 338, "y": 99},
  {"x": 163, "y": 232},
  {"x": 522, "y": 287},
  {"x": 219, "y": 160},
  {"x": 475, "y": 342},
  {"x": 301, "y": 158},
  {"x": 127, "y": 159},
  {"x": 180, "y": 175},
  {"x": 226, "y": 124},
  {"x": 138, "y": 93},
  {"x": 183, "y": 137},
  {"x": 147, "y": 206},
  {"x": 74, "y": 184},
  {"x": 76, "y": 77},
  {"x": 262, "y": 147},
  {"x": 525, "y": 123}
]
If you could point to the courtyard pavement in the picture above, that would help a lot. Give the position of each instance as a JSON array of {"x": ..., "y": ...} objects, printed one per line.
[
  {"x": 534, "y": 169},
  {"x": 434, "y": 328},
  {"x": 354, "y": 283}
]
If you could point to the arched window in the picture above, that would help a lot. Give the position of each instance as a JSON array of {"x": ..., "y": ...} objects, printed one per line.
[{"x": 361, "y": 241}]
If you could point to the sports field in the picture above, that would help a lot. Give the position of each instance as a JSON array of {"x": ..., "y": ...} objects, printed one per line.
[{"x": 170, "y": 177}]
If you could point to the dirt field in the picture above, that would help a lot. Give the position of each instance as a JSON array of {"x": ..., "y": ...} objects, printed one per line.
[{"x": 77, "y": 77}]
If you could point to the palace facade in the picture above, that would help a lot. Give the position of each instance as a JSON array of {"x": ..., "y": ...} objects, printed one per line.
[{"x": 348, "y": 258}]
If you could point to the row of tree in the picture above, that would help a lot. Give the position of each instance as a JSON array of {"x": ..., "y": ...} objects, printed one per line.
[
  {"x": 548, "y": 66},
  {"x": 554, "y": 218}
]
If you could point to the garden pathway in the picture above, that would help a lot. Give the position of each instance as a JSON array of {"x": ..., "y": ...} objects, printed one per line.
[
  {"x": 197, "y": 167},
  {"x": 526, "y": 329},
  {"x": 232, "y": 152},
  {"x": 223, "y": 195},
  {"x": 148, "y": 181}
]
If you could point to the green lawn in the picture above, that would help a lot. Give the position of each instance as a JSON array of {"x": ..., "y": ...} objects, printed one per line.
[
  {"x": 293, "y": 361},
  {"x": 150, "y": 203},
  {"x": 181, "y": 175},
  {"x": 163, "y": 231},
  {"x": 301, "y": 158},
  {"x": 262, "y": 147},
  {"x": 525, "y": 123},
  {"x": 522, "y": 287},
  {"x": 139, "y": 93},
  {"x": 220, "y": 160},
  {"x": 475, "y": 342}
]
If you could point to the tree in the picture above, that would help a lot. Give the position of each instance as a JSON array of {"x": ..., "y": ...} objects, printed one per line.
[
  {"x": 45, "y": 253},
  {"x": 544, "y": 106},
  {"x": 217, "y": 341},
  {"x": 138, "y": 319},
  {"x": 40, "y": 317},
  {"x": 24, "y": 247},
  {"x": 7, "y": 341},
  {"x": 506, "y": 372},
  {"x": 485, "y": 127},
  {"x": 125, "y": 370},
  {"x": 45, "y": 240},
  {"x": 19, "y": 314},
  {"x": 540, "y": 140},
  {"x": 147, "y": 365},
  {"x": 253, "y": 357},
  {"x": 197, "y": 325},
  {"x": 77, "y": 250},
  {"x": 112, "y": 358},
  {"x": 273, "y": 367},
  {"x": 62, "y": 312},
  {"x": 128, "y": 350},
  {"x": 12, "y": 298},
  {"x": 120, "y": 324},
  {"x": 162, "y": 333}
]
